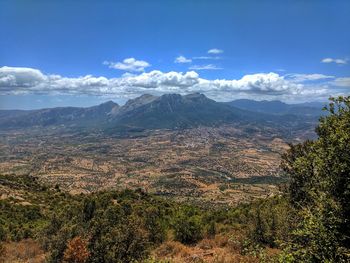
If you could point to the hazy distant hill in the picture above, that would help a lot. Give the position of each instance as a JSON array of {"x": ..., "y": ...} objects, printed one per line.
[
  {"x": 279, "y": 108},
  {"x": 171, "y": 111},
  {"x": 57, "y": 116}
]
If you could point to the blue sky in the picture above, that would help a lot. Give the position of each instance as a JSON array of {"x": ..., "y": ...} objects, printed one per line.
[{"x": 58, "y": 53}]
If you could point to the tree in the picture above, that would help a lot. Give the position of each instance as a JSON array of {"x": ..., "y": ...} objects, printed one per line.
[
  {"x": 320, "y": 189},
  {"x": 89, "y": 206},
  {"x": 188, "y": 226},
  {"x": 127, "y": 241},
  {"x": 270, "y": 221},
  {"x": 298, "y": 165}
]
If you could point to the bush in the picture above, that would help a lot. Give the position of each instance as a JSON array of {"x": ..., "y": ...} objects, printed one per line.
[
  {"x": 271, "y": 222},
  {"x": 76, "y": 251},
  {"x": 188, "y": 226}
]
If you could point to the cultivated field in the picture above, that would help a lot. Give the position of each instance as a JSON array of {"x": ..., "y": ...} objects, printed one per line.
[{"x": 223, "y": 165}]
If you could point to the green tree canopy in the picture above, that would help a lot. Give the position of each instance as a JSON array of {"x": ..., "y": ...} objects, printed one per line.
[{"x": 320, "y": 188}]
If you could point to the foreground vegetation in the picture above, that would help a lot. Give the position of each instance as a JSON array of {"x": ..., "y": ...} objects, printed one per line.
[
  {"x": 308, "y": 223},
  {"x": 128, "y": 226}
]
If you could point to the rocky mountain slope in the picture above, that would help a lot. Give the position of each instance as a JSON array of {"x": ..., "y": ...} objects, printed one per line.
[{"x": 170, "y": 111}]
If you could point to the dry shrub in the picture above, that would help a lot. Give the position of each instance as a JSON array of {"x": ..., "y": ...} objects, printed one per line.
[
  {"x": 206, "y": 243},
  {"x": 172, "y": 249},
  {"x": 26, "y": 250},
  {"x": 227, "y": 257},
  {"x": 221, "y": 240},
  {"x": 76, "y": 251},
  {"x": 236, "y": 242},
  {"x": 273, "y": 252},
  {"x": 2, "y": 249}
]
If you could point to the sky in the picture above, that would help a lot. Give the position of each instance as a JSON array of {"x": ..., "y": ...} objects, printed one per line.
[{"x": 84, "y": 52}]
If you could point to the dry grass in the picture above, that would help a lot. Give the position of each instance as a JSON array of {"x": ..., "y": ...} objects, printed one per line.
[
  {"x": 172, "y": 249},
  {"x": 26, "y": 250},
  {"x": 219, "y": 249}
]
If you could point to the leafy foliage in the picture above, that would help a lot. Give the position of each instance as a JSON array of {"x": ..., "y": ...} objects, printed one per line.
[
  {"x": 320, "y": 189},
  {"x": 188, "y": 225}
]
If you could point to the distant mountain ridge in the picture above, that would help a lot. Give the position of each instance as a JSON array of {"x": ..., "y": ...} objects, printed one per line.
[
  {"x": 170, "y": 111},
  {"x": 278, "y": 107},
  {"x": 56, "y": 116}
]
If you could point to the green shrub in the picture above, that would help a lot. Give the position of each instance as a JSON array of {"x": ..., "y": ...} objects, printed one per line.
[
  {"x": 188, "y": 226},
  {"x": 319, "y": 189}
]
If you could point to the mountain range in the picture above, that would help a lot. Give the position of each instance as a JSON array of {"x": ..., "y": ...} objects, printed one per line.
[
  {"x": 169, "y": 111},
  {"x": 278, "y": 107}
]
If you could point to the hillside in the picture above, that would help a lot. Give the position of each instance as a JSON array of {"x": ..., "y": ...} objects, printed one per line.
[
  {"x": 68, "y": 116},
  {"x": 43, "y": 224}
]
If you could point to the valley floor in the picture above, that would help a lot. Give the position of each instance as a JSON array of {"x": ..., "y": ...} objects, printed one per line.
[{"x": 222, "y": 165}]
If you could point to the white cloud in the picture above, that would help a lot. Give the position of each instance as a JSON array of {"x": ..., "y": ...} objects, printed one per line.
[
  {"x": 271, "y": 85},
  {"x": 129, "y": 64},
  {"x": 182, "y": 59},
  {"x": 342, "y": 82},
  {"x": 307, "y": 77},
  {"x": 335, "y": 60},
  {"x": 160, "y": 81},
  {"x": 207, "y": 57},
  {"x": 215, "y": 51},
  {"x": 204, "y": 67},
  {"x": 20, "y": 77}
]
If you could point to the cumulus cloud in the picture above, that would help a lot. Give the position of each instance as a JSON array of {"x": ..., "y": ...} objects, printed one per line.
[
  {"x": 335, "y": 60},
  {"x": 271, "y": 85},
  {"x": 205, "y": 67},
  {"x": 160, "y": 81},
  {"x": 128, "y": 64},
  {"x": 20, "y": 77},
  {"x": 182, "y": 59},
  {"x": 215, "y": 51}
]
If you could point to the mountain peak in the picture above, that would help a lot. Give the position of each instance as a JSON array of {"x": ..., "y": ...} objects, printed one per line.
[
  {"x": 171, "y": 95},
  {"x": 137, "y": 102},
  {"x": 109, "y": 103},
  {"x": 145, "y": 98},
  {"x": 197, "y": 97}
]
